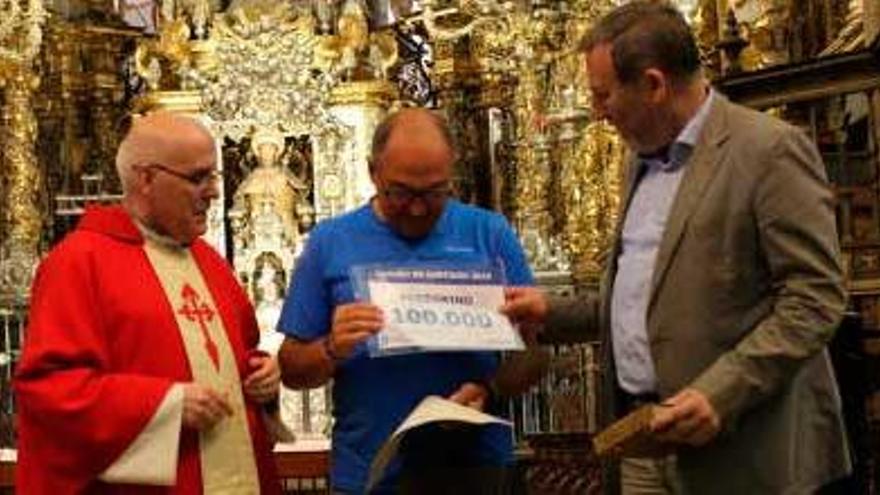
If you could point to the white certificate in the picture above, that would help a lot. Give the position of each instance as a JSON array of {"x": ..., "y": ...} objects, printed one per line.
[{"x": 429, "y": 309}]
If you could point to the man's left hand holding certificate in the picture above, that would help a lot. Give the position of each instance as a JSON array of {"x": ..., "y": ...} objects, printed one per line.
[{"x": 431, "y": 308}]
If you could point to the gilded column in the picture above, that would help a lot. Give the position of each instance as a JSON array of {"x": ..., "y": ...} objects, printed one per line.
[
  {"x": 20, "y": 42},
  {"x": 107, "y": 48},
  {"x": 593, "y": 204},
  {"x": 590, "y": 158},
  {"x": 23, "y": 219},
  {"x": 532, "y": 157},
  {"x": 456, "y": 77},
  {"x": 537, "y": 147}
]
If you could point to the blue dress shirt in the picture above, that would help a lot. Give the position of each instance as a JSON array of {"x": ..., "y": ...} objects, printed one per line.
[{"x": 643, "y": 229}]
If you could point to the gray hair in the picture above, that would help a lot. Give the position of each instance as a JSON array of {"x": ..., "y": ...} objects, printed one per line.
[
  {"x": 127, "y": 156},
  {"x": 645, "y": 34},
  {"x": 146, "y": 141}
]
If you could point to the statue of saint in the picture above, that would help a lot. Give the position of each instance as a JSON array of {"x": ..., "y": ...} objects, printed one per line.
[
  {"x": 266, "y": 223},
  {"x": 272, "y": 183},
  {"x": 354, "y": 51},
  {"x": 767, "y": 25}
]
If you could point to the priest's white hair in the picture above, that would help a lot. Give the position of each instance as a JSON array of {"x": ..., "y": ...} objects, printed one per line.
[{"x": 153, "y": 138}]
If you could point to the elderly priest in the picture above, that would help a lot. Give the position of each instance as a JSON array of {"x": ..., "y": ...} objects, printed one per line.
[{"x": 136, "y": 375}]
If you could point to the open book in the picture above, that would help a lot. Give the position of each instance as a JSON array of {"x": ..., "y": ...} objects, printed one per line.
[{"x": 432, "y": 409}]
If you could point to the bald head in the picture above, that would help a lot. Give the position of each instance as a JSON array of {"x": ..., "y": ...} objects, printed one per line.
[
  {"x": 168, "y": 168},
  {"x": 160, "y": 137},
  {"x": 411, "y": 168},
  {"x": 415, "y": 127}
]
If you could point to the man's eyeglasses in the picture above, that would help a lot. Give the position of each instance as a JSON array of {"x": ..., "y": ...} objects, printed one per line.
[
  {"x": 402, "y": 196},
  {"x": 201, "y": 178}
]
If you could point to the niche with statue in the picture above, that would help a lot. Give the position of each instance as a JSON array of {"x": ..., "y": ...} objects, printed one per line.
[{"x": 270, "y": 214}]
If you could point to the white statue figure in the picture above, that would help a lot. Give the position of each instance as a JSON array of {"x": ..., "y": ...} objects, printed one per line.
[
  {"x": 266, "y": 223},
  {"x": 269, "y": 284},
  {"x": 272, "y": 182},
  {"x": 270, "y": 211}
]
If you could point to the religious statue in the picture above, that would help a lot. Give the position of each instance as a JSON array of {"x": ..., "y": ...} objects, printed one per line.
[
  {"x": 271, "y": 211},
  {"x": 158, "y": 61},
  {"x": 769, "y": 27},
  {"x": 353, "y": 50},
  {"x": 353, "y": 33},
  {"x": 266, "y": 224},
  {"x": 197, "y": 12},
  {"x": 272, "y": 182}
]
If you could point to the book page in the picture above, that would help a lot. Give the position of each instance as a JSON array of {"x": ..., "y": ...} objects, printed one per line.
[{"x": 432, "y": 409}]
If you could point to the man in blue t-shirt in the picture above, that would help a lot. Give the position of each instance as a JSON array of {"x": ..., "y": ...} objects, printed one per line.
[{"x": 410, "y": 220}]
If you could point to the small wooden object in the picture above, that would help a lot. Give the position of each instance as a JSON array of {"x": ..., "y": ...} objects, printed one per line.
[{"x": 631, "y": 436}]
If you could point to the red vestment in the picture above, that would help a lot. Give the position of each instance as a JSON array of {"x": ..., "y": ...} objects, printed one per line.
[{"x": 101, "y": 351}]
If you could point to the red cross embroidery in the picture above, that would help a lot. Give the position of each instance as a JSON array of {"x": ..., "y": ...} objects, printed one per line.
[{"x": 195, "y": 310}]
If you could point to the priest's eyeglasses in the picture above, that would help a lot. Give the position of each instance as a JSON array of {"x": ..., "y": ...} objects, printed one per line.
[
  {"x": 402, "y": 196},
  {"x": 200, "y": 178}
]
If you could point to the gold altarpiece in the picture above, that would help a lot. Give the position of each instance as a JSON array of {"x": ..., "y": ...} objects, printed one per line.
[{"x": 292, "y": 92}]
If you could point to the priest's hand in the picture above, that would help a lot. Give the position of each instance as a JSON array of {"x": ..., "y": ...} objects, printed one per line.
[
  {"x": 525, "y": 304},
  {"x": 470, "y": 394},
  {"x": 203, "y": 407},
  {"x": 353, "y": 323},
  {"x": 687, "y": 417},
  {"x": 262, "y": 384}
]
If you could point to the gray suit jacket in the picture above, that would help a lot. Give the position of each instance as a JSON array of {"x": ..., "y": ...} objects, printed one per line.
[{"x": 747, "y": 290}]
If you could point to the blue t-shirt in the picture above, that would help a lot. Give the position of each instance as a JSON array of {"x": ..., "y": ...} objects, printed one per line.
[{"x": 371, "y": 396}]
